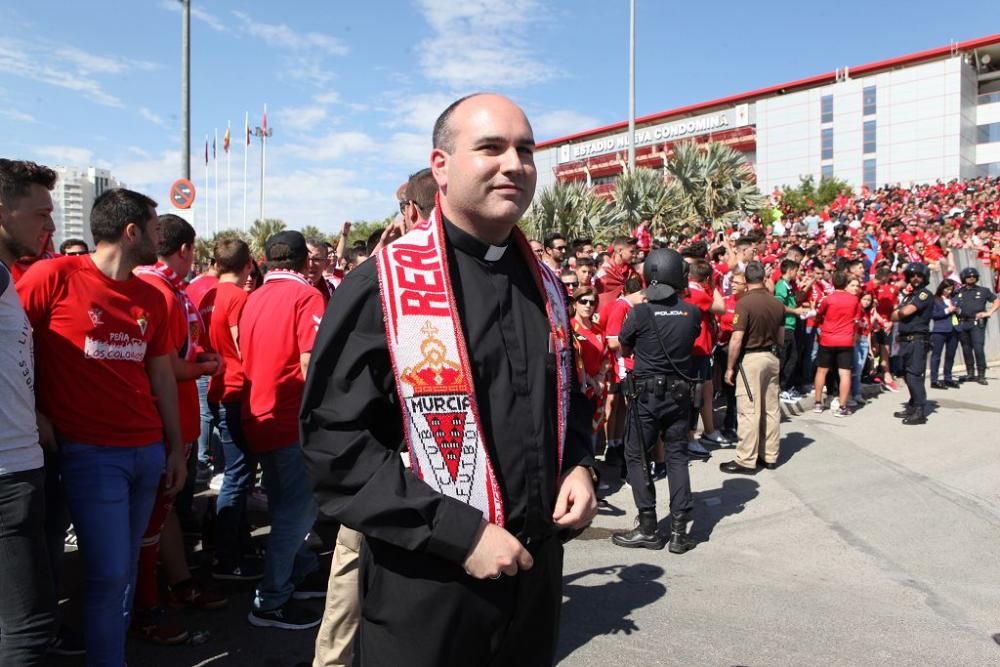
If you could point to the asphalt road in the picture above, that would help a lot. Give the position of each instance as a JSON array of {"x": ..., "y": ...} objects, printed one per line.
[{"x": 873, "y": 543}]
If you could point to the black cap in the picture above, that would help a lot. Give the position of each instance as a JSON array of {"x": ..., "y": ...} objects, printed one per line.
[
  {"x": 665, "y": 272},
  {"x": 286, "y": 246},
  {"x": 969, "y": 272}
]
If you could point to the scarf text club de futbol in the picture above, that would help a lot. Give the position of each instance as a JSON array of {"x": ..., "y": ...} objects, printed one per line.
[{"x": 431, "y": 365}]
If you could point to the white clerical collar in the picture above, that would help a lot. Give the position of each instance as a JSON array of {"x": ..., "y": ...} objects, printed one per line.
[{"x": 494, "y": 253}]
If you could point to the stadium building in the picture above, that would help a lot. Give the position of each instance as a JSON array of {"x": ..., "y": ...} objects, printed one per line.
[{"x": 912, "y": 119}]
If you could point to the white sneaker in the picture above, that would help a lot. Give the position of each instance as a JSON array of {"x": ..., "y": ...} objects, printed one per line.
[
  {"x": 787, "y": 397},
  {"x": 835, "y": 404},
  {"x": 216, "y": 483},
  {"x": 694, "y": 448}
]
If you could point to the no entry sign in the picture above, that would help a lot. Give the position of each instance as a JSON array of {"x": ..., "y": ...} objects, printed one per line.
[{"x": 182, "y": 193}]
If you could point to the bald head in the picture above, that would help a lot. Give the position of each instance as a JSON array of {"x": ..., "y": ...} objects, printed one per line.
[{"x": 483, "y": 163}]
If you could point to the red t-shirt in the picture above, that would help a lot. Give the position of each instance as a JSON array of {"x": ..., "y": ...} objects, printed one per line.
[
  {"x": 228, "y": 300},
  {"x": 278, "y": 324},
  {"x": 836, "y": 317},
  {"x": 886, "y": 298},
  {"x": 593, "y": 349},
  {"x": 92, "y": 338},
  {"x": 697, "y": 296},
  {"x": 188, "y": 408},
  {"x": 614, "y": 317},
  {"x": 198, "y": 288},
  {"x": 726, "y": 320}
]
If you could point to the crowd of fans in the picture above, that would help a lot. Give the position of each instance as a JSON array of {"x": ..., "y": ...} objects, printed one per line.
[{"x": 223, "y": 355}]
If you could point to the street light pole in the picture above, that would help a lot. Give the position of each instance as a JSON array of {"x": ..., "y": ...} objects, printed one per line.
[
  {"x": 186, "y": 88},
  {"x": 631, "y": 87}
]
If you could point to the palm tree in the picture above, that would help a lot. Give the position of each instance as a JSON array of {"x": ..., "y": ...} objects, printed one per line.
[
  {"x": 571, "y": 209},
  {"x": 714, "y": 183},
  {"x": 642, "y": 195},
  {"x": 261, "y": 231},
  {"x": 313, "y": 232}
]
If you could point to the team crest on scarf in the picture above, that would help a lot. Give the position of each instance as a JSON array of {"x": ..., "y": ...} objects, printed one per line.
[{"x": 430, "y": 362}]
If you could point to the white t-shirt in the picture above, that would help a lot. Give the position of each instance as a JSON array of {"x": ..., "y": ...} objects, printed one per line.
[{"x": 19, "y": 448}]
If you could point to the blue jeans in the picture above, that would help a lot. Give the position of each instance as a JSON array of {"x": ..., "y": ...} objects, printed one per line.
[
  {"x": 808, "y": 355},
  {"x": 236, "y": 482},
  {"x": 860, "y": 357},
  {"x": 293, "y": 511},
  {"x": 110, "y": 492},
  {"x": 205, "y": 435}
]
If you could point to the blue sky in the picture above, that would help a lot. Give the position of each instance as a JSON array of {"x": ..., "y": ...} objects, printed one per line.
[{"x": 353, "y": 88}]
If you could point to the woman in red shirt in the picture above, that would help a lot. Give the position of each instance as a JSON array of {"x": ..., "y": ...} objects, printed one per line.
[
  {"x": 836, "y": 318},
  {"x": 593, "y": 350}
]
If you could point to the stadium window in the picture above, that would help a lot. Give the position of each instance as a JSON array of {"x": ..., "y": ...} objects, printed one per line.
[
  {"x": 987, "y": 134},
  {"x": 826, "y": 109},
  {"x": 989, "y": 98},
  {"x": 868, "y": 175},
  {"x": 602, "y": 180},
  {"x": 826, "y": 171},
  {"x": 869, "y": 137},
  {"x": 826, "y": 144},
  {"x": 868, "y": 98}
]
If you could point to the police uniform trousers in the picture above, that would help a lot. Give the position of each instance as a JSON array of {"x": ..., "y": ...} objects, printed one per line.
[
  {"x": 418, "y": 610},
  {"x": 648, "y": 417},
  {"x": 759, "y": 418},
  {"x": 913, "y": 349},
  {"x": 972, "y": 335},
  {"x": 335, "y": 640}
]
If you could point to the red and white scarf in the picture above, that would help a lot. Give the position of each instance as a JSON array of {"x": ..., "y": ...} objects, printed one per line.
[
  {"x": 195, "y": 323},
  {"x": 430, "y": 362}
]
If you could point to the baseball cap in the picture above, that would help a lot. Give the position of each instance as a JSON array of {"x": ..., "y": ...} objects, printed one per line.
[{"x": 284, "y": 246}]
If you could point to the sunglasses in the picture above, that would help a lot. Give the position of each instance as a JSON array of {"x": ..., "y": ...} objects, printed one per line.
[
  {"x": 559, "y": 247},
  {"x": 403, "y": 204},
  {"x": 586, "y": 302}
]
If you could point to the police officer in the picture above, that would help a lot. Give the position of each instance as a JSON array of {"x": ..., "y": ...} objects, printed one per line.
[
  {"x": 661, "y": 334},
  {"x": 914, "y": 317},
  {"x": 972, "y": 299}
]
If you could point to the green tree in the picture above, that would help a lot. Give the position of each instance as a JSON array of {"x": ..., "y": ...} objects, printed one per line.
[
  {"x": 807, "y": 194},
  {"x": 713, "y": 184},
  {"x": 261, "y": 231},
  {"x": 313, "y": 232},
  {"x": 573, "y": 210},
  {"x": 643, "y": 196}
]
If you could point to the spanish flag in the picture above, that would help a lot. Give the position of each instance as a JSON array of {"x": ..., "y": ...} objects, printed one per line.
[{"x": 225, "y": 141}]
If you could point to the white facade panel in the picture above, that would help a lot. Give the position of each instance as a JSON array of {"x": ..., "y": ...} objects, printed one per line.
[
  {"x": 988, "y": 153},
  {"x": 988, "y": 113}
]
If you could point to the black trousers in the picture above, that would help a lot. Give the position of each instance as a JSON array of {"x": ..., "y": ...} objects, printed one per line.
[
  {"x": 913, "y": 357},
  {"x": 648, "y": 417},
  {"x": 948, "y": 343},
  {"x": 789, "y": 359},
  {"x": 27, "y": 598},
  {"x": 973, "y": 338},
  {"x": 421, "y": 611}
]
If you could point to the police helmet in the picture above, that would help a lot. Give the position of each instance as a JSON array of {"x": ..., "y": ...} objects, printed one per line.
[
  {"x": 969, "y": 272},
  {"x": 917, "y": 269},
  {"x": 665, "y": 272}
]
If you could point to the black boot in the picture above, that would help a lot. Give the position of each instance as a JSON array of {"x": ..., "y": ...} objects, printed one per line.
[
  {"x": 905, "y": 412},
  {"x": 643, "y": 536},
  {"x": 982, "y": 378},
  {"x": 916, "y": 418},
  {"x": 679, "y": 540}
]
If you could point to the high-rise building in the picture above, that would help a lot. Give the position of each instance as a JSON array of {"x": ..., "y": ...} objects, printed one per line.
[{"x": 73, "y": 197}]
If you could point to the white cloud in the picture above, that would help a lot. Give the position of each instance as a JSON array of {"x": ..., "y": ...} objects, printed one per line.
[
  {"x": 300, "y": 119},
  {"x": 419, "y": 111},
  {"x": 332, "y": 146},
  {"x": 557, "y": 123},
  {"x": 408, "y": 149},
  {"x": 91, "y": 63},
  {"x": 19, "y": 116},
  {"x": 211, "y": 20},
  {"x": 152, "y": 117},
  {"x": 65, "y": 155},
  {"x": 31, "y": 61},
  {"x": 280, "y": 35},
  {"x": 323, "y": 197},
  {"x": 483, "y": 46}
]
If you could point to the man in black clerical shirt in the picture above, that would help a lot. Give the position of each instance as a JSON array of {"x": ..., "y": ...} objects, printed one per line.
[{"x": 439, "y": 584}]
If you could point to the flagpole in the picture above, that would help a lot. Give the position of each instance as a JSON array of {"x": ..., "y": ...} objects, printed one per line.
[
  {"x": 215, "y": 159},
  {"x": 246, "y": 155},
  {"x": 263, "y": 132},
  {"x": 206, "y": 185},
  {"x": 229, "y": 176}
]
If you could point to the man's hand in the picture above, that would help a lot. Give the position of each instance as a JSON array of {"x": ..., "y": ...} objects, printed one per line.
[
  {"x": 211, "y": 363},
  {"x": 729, "y": 375},
  {"x": 176, "y": 472},
  {"x": 576, "y": 504},
  {"x": 345, "y": 231},
  {"x": 46, "y": 433},
  {"x": 496, "y": 552}
]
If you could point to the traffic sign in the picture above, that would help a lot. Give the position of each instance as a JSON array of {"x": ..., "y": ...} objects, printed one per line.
[{"x": 182, "y": 193}]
